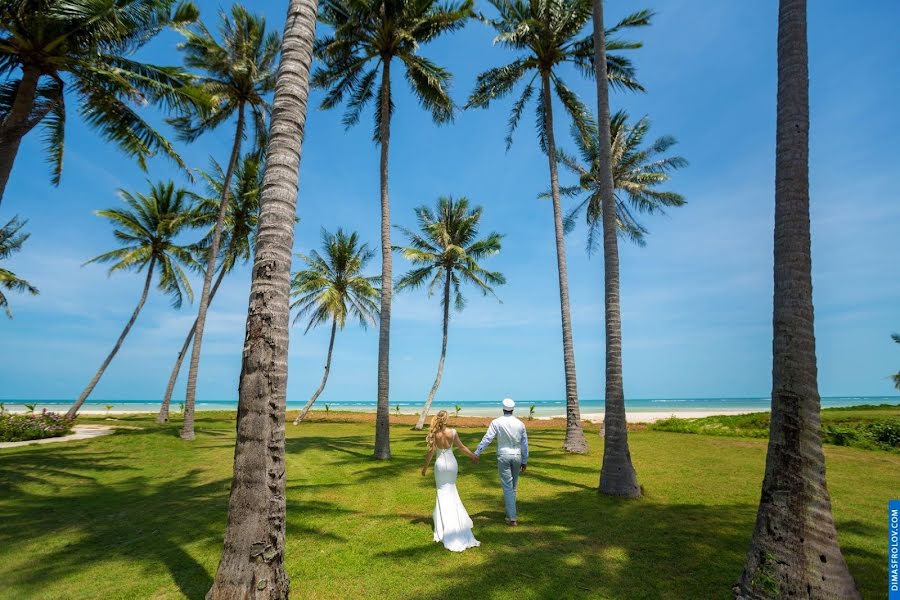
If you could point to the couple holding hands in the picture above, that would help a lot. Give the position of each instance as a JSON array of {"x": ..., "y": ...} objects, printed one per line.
[{"x": 452, "y": 524}]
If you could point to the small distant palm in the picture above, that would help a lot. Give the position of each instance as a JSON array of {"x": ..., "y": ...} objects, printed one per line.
[
  {"x": 238, "y": 237},
  {"x": 236, "y": 72},
  {"x": 446, "y": 253},
  {"x": 457, "y": 409},
  {"x": 147, "y": 230},
  {"x": 896, "y": 376},
  {"x": 637, "y": 171},
  {"x": 11, "y": 240},
  {"x": 334, "y": 288}
]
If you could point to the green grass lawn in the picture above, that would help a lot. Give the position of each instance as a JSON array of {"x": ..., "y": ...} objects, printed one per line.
[{"x": 141, "y": 514}]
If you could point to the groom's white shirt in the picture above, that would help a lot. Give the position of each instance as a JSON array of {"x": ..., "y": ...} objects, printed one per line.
[{"x": 511, "y": 437}]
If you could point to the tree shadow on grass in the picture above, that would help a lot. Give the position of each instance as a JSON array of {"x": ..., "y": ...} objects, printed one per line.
[
  {"x": 141, "y": 520},
  {"x": 580, "y": 545}
]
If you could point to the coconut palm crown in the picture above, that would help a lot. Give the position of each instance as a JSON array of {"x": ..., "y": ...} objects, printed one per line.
[
  {"x": 447, "y": 245},
  {"x": 333, "y": 287},
  {"x": 52, "y": 51},
  {"x": 637, "y": 172},
  {"x": 547, "y": 34}
]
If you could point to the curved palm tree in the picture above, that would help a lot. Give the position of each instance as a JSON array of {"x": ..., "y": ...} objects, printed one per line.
[
  {"x": 237, "y": 73},
  {"x": 252, "y": 563},
  {"x": 368, "y": 35},
  {"x": 239, "y": 235},
  {"x": 794, "y": 550},
  {"x": 333, "y": 288},
  {"x": 547, "y": 34},
  {"x": 636, "y": 173},
  {"x": 85, "y": 47},
  {"x": 896, "y": 376},
  {"x": 147, "y": 230},
  {"x": 446, "y": 253},
  {"x": 11, "y": 240}
]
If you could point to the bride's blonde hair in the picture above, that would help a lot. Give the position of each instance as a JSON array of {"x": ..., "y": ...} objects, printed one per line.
[{"x": 438, "y": 423}]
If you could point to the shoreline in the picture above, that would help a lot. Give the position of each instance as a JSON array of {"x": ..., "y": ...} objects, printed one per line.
[{"x": 636, "y": 416}]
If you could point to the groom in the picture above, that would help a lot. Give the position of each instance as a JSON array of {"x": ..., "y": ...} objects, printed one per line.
[{"x": 512, "y": 454}]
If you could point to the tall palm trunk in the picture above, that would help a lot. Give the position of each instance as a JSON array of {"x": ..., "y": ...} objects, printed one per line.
[
  {"x": 383, "y": 414},
  {"x": 318, "y": 392},
  {"x": 137, "y": 309},
  {"x": 15, "y": 125},
  {"x": 187, "y": 429},
  {"x": 574, "y": 441},
  {"x": 794, "y": 550},
  {"x": 252, "y": 564},
  {"x": 440, "y": 371},
  {"x": 617, "y": 475},
  {"x": 163, "y": 416}
]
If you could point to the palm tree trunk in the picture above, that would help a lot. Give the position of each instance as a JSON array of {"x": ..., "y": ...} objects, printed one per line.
[
  {"x": 574, "y": 441},
  {"x": 794, "y": 550},
  {"x": 163, "y": 416},
  {"x": 617, "y": 474},
  {"x": 318, "y": 393},
  {"x": 383, "y": 411},
  {"x": 15, "y": 125},
  {"x": 252, "y": 564},
  {"x": 440, "y": 371},
  {"x": 137, "y": 309},
  {"x": 187, "y": 429}
]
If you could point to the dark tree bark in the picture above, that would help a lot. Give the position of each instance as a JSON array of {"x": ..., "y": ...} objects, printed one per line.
[
  {"x": 137, "y": 309},
  {"x": 252, "y": 564},
  {"x": 163, "y": 416},
  {"x": 187, "y": 429},
  {"x": 440, "y": 370},
  {"x": 383, "y": 410},
  {"x": 617, "y": 475},
  {"x": 574, "y": 440},
  {"x": 16, "y": 124},
  {"x": 794, "y": 551},
  {"x": 318, "y": 392}
]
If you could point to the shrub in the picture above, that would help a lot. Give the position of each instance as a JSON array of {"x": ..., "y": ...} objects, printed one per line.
[
  {"x": 30, "y": 426},
  {"x": 886, "y": 432},
  {"x": 840, "y": 436}
]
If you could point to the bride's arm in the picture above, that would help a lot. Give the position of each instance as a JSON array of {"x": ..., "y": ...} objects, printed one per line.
[
  {"x": 427, "y": 461},
  {"x": 462, "y": 447}
]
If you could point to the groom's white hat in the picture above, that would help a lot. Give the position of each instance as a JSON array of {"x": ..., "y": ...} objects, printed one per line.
[{"x": 508, "y": 404}]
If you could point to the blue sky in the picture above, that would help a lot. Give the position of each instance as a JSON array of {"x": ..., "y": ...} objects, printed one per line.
[{"x": 696, "y": 302}]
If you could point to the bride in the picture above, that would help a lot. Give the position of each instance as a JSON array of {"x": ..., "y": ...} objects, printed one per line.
[{"x": 452, "y": 524}]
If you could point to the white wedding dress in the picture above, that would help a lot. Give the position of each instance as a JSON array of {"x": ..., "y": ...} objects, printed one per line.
[{"x": 452, "y": 524}]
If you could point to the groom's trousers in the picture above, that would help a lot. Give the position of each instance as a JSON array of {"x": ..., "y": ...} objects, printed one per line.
[{"x": 509, "y": 466}]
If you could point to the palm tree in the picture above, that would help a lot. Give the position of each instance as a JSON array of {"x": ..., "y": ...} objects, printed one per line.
[
  {"x": 636, "y": 173},
  {"x": 333, "y": 288},
  {"x": 896, "y": 376},
  {"x": 252, "y": 563},
  {"x": 239, "y": 234},
  {"x": 445, "y": 254},
  {"x": 85, "y": 47},
  {"x": 11, "y": 240},
  {"x": 547, "y": 34},
  {"x": 237, "y": 74},
  {"x": 794, "y": 550},
  {"x": 357, "y": 57},
  {"x": 147, "y": 230}
]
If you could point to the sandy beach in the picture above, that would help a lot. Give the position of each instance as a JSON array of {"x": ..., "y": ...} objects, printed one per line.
[{"x": 593, "y": 417}]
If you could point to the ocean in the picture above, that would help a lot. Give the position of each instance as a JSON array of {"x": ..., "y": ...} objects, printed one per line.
[{"x": 472, "y": 407}]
